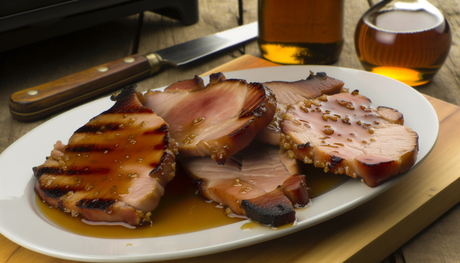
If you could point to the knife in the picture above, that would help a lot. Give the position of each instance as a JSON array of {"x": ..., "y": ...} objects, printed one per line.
[{"x": 43, "y": 100}]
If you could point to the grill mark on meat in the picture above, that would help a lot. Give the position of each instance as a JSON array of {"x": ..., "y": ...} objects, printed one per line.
[
  {"x": 55, "y": 193},
  {"x": 98, "y": 128},
  {"x": 111, "y": 170},
  {"x": 88, "y": 170},
  {"x": 89, "y": 148},
  {"x": 99, "y": 204},
  {"x": 115, "y": 127},
  {"x": 162, "y": 130},
  {"x": 39, "y": 171}
]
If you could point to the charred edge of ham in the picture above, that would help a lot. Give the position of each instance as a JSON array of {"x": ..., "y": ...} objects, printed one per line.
[
  {"x": 129, "y": 100},
  {"x": 321, "y": 75},
  {"x": 164, "y": 160},
  {"x": 335, "y": 160},
  {"x": 252, "y": 175},
  {"x": 257, "y": 108},
  {"x": 273, "y": 209},
  {"x": 295, "y": 189},
  {"x": 216, "y": 77},
  {"x": 265, "y": 98}
]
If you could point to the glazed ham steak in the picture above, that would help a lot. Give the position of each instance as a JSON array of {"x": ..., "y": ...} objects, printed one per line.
[
  {"x": 292, "y": 92},
  {"x": 345, "y": 134},
  {"x": 260, "y": 182},
  {"x": 114, "y": 168},
  {"x": 216, "y": 120}
]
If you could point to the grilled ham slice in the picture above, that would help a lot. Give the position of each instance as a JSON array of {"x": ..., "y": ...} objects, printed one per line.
[
  {"x": 114, "y": 168},
  {"x": 216, "y": 120},
  {"x": 345, "y": 134},
  {"x": 292, "y": 92},
  {"x": 260, "y": 182}
]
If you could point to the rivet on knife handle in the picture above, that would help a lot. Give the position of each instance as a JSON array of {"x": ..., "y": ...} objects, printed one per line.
[{"x": 43, "y": 100}]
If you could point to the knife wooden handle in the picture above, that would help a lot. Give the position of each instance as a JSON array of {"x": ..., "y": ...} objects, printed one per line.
[{"x": 41, "y": 101}]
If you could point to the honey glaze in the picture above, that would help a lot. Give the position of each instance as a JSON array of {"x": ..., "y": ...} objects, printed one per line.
[
  {"x": 343, "y": 119},
  {"x": 319, "y": 182},
  {"x": 181, "y": 210}
]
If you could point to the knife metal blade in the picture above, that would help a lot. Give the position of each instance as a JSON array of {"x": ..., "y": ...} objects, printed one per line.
[{"x": 41, "y": 101}]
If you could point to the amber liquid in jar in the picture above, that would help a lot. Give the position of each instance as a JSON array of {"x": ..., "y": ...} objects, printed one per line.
[
  {"x": 181, "y": 210},
  {"x": 407, "y": 45},
  {"x": 301, "y": 31}
]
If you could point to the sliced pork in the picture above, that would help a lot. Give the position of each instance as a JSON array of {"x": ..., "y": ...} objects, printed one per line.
[
  {"x": 216, "y": 120},
  {"x": 292, "y": 92},
  {"x": 114, "y": 168},
  {"x": 260, "y": 182},
  {"x": 345, "y": 134}
]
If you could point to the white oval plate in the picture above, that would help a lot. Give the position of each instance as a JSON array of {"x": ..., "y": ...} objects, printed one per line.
[{"x": 22, "y": 222}]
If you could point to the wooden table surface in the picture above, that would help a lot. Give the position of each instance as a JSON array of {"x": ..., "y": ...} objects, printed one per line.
[{"x": 51, "y": 59}]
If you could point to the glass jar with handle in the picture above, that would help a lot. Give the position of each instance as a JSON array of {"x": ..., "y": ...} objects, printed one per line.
[{"x": 407, "y": 40}]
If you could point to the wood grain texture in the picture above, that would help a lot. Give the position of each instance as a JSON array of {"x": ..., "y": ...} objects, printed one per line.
[
  {"x": 246, "y": 60},
  {"x": 448, "y": 76}
]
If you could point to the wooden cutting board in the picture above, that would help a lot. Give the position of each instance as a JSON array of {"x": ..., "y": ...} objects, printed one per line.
[{"x": 368, "y": 233}]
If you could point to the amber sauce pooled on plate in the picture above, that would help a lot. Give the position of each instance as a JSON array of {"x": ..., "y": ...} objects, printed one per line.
[{"x": 181, "y": 211}]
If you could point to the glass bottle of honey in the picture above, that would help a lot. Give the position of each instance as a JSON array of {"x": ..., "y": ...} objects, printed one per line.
[
  {"x": 407, "y": 40},
  {"x": 301, "y": 31}
]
